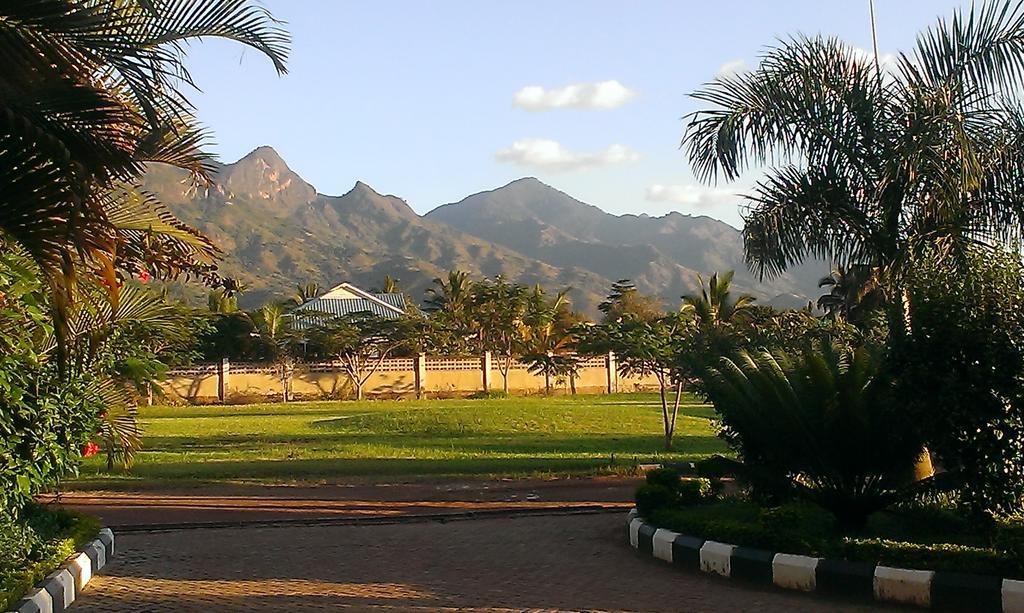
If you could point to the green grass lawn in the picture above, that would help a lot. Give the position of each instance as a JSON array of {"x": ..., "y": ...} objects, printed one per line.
[{"x": 315, "y": 441}]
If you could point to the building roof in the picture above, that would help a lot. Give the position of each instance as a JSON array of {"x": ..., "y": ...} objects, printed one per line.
[{"x": 346, "y": 299}]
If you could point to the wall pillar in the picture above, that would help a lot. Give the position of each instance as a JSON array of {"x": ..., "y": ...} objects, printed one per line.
[
  {"x": 420, "y": 366},
  {"x": 485, "y": 369},
  {"x": 612, "y": 369},
  {"x": 223, "y": 379}
]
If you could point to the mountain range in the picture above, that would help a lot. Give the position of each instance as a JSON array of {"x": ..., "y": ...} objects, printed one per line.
[{"x": 277, "y": 231}]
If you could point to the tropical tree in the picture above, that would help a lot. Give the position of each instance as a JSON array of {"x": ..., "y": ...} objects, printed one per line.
[
  {"x": 868, "y": 165},
  {"x": 642, "y": 348},
  {"x": 90, "y": 93},
  {"x": 499, "y": 310},
  {"x": 624, "y": 299},
  {"x": 547, "y": 348},
  {"x": 362, "y": 341},
  {"x": 304, "y": 293},
  {"x": 853, "y": 293},
  {"x": 275, "y": 327},
  {"x": 450, "y": 305},
  {"x": 714, "y": 305},
  {"x": 823, "y": 425}
]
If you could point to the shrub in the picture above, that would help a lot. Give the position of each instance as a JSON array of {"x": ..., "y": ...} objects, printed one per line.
[
  {"x": 667, "y": 477},
  {"x": 804, "y": 528},
  {"x": 694, "y": 491},
  {"x": 488, "y": 395},
  {"x": 822, "y": 426},
  {"x": 650, "y": 498},
  {"x": 934, "y": 556},
  {"x": 959, "y": 372},
  {"x": 34, "y": 544}
]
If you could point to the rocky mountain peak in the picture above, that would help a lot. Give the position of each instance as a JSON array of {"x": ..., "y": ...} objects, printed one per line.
[{"x": 263, "y": 174}]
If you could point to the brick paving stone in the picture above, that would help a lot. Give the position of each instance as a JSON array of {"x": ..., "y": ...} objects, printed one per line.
[{"x": 563, "y": 563}]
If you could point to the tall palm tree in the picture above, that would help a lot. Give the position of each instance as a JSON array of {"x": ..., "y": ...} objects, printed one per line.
[
  {"x": 453, "y": 294},
  {"x": 853, "y": 293},
  {"x": 304, "y": 293},
  {"x": 868, "y": 165},
  {"x": 390, "y": 285},
  {"x": 90, "y": 92},
  {"x": 276, "y": 328},
  {"x": 714, "y": 305}
]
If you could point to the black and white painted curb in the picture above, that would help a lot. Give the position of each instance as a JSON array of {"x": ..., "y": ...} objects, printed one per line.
[
  {"x": 60, "y": 588},
  {"x": 859, "y": 580}
]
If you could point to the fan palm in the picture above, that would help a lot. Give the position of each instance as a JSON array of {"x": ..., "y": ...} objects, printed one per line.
[
  {"x": 90, "y": 94},
  {"x": 868, "y": 166}
]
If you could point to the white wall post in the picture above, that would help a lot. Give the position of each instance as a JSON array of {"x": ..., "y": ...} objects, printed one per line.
[
  {"x": 612, "y": 369},
  {"x": 223, "y": 379},
  {"x": 485, "y": 369},
  {"x": 420, "y": 378}
]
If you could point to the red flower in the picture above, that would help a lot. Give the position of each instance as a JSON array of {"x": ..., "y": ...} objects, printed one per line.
[
  {"x": 144, "y": 276},
  {"x": 90, "y": 449}
]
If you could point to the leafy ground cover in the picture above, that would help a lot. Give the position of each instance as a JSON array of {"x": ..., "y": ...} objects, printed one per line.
[
  {"x": 32, "y": 549},
  {"x": 313, "y": 441}
]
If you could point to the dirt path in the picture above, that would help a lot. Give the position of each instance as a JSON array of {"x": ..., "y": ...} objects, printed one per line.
[{"x": 260, "y": 503}]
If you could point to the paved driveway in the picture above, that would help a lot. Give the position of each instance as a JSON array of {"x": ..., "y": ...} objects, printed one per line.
[{"x": 552, "y": 563}]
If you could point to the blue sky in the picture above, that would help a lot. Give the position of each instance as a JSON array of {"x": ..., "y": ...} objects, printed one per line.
[{"x": 419, "y": 99}]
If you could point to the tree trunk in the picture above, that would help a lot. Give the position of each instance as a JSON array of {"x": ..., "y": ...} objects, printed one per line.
[
  {"x": 547, "y": 383},
  {"x": 572, "y": 383},
  {"x": 664, "y": 413},
  {"x": 675, "y": 412},
  {"x": 359, "y": 391}
]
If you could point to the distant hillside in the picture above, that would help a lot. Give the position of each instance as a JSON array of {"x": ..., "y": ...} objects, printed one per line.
[
  {"x": 662, "y": 255},
  {"x": 276, "y": 231}
]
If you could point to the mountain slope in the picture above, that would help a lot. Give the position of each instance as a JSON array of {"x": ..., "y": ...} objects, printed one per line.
[
  {"x": 662, "y": 255},
  {"x": 276, "y": 232}
]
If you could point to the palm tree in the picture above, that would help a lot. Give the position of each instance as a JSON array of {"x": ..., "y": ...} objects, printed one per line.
[
  {"x": 853, "y": 293},
  {"x": 90, "y": 95},
  {"x": 390, "y": 285},
  {"x": 450, "y": 304},
  {"x": 868, "y": 165},
  {"x": 304, "y": 293},
  {"x": 275, "y": 327},
  {"x": 715, "y": 305},
  {"x": 547, "y": 343}
]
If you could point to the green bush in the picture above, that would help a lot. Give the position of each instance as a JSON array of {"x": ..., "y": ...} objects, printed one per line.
[
  {"x": 488, "y": 395},
  {"x": 1008, "y": 537},
  {"x": 694, "y": 491},
  {"x": 667, "y": 477},
  {"x": 803, "y": 528},
  {"x": 821, "y": 425},
  {"x": 959, "y": 371},
  {"x": 36, "y": 543},
  {"x": 935, "y": 556},
  {"x": 650, "y": 498}
]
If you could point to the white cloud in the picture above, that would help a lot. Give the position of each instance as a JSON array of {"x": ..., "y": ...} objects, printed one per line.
[
  {"x": 887, "y": 61},
  {"x": 597, "y": 96},
  {"x": 691, "y": 195},
  {"x": 546, "y": 154},
  {"x": 731, "y": 67}
]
